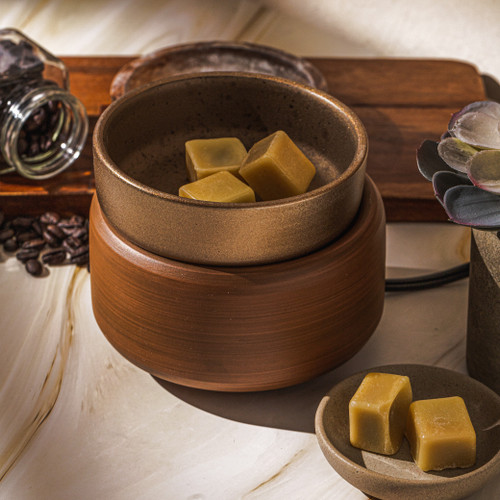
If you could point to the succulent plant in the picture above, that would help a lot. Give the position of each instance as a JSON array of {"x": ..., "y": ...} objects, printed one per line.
[{"x": 464, "y": 166}]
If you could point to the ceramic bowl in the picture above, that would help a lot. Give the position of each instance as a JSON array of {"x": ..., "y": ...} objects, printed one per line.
[
  {"x": 214, "y": 56},
  {"x": 139, "y": 164},
  {"x": 244, "y": 328},
  {"x": 397, "y": 476}
]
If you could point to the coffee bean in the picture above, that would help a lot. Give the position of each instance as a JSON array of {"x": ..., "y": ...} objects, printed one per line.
[
  {"x": 81, "y": 250},
  {"x": 26, "y": 236},
  {"x": 54, "y": 257},
  {"x": 22, "y": 146},
  {"x": 55, "y": 231},
  {"x": 34, "y": 267},
  {"x": 37, "y": 227},
  {"x": 50, "y": 218},
  {"x": 80, "y": 260},
  {"x": 37, "y": 244},
  {"x": 81, "y": 233},
  {"x": 45, "y": 142},
  {"x": 51, "y": 240},
  {"x": 76, "y": 220},
  {"x": 34, "y": 147},
  {"x": 71, "y": 244},
  {"x": 68, "y": 230},
  {"x": 22, "y": 222},
  {"x": 10, "y": 245},
  {"x": 66, "y": 224},
  {"x": 6, "y": 234},
  {"x": 26, "y": 254}
]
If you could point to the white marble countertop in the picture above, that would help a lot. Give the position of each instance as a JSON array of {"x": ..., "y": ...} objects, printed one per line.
[{"x": 80, "y": 422}]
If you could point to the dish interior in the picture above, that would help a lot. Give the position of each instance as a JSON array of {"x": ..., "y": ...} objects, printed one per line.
[
  {"x": 146, "y": 136},
  {"x": 224, "y": 56},
  {"x": 427, "y": 382}
]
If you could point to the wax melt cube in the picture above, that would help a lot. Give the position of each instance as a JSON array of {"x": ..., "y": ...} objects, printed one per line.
[
  {"x": 222, "y": 186},
  {"x": 378, "y": 412},
  {"x": 276, "y": 168},
  {"x": 205, "y": 157},
  {"x": 441, "y": 434}
]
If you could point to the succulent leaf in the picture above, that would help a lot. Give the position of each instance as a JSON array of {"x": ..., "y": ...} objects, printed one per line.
[
  {"x": 471, "y": 206},
  {"x": 428, "y": 160},
  {"x": 456, "y": 153},
  {"x": 484, "y": 170},
  {"x": 442, "y": 181},
  {"x": 477, "y": 129},
  {"x": 490, "y": 108}
]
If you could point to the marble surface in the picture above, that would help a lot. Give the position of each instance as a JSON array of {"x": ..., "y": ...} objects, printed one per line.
[{"x": 78, "y": 421}]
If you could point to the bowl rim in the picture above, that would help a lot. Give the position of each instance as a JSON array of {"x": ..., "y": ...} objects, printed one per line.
[
  {"x": 492, "y": 466},
  {"x": 303, "y": 66},
  {"x": 355, "y": 122}
]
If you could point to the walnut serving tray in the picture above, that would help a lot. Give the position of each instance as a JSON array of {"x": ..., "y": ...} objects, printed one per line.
[{"x": 401, "y": 103}]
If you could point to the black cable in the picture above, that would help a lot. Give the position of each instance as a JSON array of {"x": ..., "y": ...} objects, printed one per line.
[{"x": 427, "y": 280}]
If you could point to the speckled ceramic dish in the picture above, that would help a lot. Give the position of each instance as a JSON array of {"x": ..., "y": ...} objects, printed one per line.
[
  {"x": 139, "y": 165},
  {"x": 214, "y": 56},
  {"x": 397, "y": 476}
]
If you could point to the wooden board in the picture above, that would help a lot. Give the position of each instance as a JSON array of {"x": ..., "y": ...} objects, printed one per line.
[{"x": 401, "y": 103}]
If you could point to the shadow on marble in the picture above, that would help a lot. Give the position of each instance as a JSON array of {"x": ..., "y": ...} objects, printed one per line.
[{"x": 292, "y": 408}]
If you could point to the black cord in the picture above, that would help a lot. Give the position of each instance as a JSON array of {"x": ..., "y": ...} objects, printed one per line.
[{"x": 427, "y": 280}]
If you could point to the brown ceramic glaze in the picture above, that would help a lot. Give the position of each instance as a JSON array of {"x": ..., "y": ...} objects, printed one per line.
[
  {"x": 214, "y": 56},
  {"x": 240, "y": 328},
  {"x": 139, "y": 164},
  {"x": 397, "y": 476}
]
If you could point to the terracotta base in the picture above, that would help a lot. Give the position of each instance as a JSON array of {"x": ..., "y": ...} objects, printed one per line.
[
  {"x": 483, "y": 329},
  {"x": 241, "y": 328}
]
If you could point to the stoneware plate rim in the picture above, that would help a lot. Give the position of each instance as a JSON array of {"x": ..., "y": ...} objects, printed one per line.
[
  {"x": 206, "y": 48},
  {"x": 493, "y": 465},
  {"x": 356, "y": 163}
]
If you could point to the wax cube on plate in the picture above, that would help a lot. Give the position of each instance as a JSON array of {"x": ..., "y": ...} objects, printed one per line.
[{"x": 378, "y": 412}]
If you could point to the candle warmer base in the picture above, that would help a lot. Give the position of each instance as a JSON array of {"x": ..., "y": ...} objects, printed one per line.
[{"x": 244, "y": 328}]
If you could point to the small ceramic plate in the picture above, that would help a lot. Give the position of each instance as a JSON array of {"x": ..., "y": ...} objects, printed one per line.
[
  {"x": 397, "y": 476},
  {"x": 215, "y": 56}
]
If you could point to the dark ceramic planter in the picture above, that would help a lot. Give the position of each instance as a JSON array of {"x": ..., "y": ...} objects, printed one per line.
[{"x": 483, "y": 329}]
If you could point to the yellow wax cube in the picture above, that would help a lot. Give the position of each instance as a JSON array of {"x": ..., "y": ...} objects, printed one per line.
[
  {"x": 222, "y": 186},
  {"x": 276, "y": 168},
  {"x": 205, "y": 157},
  {"x": 441, "y": 434},
  {"x": 378, "y": 411}
]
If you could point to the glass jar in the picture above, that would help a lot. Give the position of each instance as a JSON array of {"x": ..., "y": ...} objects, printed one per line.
[{"x": 43, "y": 128}]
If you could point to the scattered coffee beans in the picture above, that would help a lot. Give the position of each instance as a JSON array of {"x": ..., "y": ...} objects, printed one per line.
[
  {"x": 46, "y": 240},
  {"x": 54, "y": 257},
  {"x": 34, "y": 267}
]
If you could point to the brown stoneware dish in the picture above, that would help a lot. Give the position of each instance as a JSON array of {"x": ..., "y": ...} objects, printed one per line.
[
  {"x": 139, "y": 164},
  {"x": 214, "y": 56},
  {"x": 244, "y": 328},
  {"x": 397, "y": 476}
]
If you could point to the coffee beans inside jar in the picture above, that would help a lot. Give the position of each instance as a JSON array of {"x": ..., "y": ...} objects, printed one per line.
[
  {"x": 45, "y": 240},
  {"x": 43, "y": 127}
]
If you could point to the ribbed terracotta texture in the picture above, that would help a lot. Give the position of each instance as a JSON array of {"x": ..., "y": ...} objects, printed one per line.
[
  {"x": 242, "y": 328},
  {"x": 139, "y": 164}
]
